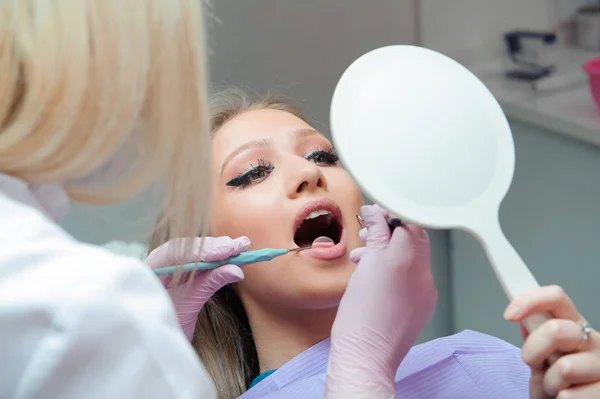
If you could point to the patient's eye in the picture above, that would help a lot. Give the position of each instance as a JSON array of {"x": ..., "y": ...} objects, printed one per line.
[
  {"x": 254, "y": 174},
  {"x": 323, "y": 156}
]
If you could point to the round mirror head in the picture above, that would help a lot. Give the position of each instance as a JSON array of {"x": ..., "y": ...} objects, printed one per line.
[{"x": 422, "y": 136}]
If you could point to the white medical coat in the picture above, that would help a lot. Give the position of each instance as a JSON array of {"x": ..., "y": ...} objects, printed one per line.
[{"x": 78, "y": 322}]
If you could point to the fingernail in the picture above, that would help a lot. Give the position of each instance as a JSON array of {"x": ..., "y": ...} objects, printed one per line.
[
  {"x": 237, "y": 272},
  {"x": 512, "y": 312}
]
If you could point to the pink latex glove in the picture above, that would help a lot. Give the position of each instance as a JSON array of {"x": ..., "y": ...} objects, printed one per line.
[
  {"x": 190, "y": 298},
  {"x": 390, "y": 299}
]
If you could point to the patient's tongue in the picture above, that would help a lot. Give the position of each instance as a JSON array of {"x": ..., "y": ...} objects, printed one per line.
[{"x": 323, "y": 242}]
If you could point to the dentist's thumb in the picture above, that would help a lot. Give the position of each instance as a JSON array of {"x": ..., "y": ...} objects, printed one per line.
[{"x": 377, "y": 233}]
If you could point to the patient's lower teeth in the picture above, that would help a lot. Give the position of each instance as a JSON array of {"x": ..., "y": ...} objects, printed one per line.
[{"x": 323, "y": 242}]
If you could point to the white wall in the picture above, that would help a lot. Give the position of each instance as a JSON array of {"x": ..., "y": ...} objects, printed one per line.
[
  {"x": 469, "y": 29},
  {"x": 442, "y": 323},
  {"x": 301, "y": 48},
  {"x": 130, "y": 221},
  {"x": 552, "y": 217}
]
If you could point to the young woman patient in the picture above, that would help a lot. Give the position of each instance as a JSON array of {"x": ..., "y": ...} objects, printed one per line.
[{"x": 278, "y": 182}]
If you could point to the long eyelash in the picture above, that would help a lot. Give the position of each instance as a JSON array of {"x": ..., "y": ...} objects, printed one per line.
[
  {"x": 243, "y": 179},
  {"x": 329, "y": 153}
]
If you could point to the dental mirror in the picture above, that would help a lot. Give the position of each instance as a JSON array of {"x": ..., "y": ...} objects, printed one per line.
[{"x": 426, "y": 140}]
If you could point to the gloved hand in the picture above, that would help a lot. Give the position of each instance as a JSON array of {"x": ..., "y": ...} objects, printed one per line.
[
  {"x": 389, "y": 300},
  {"x": 190, "y": 298}
]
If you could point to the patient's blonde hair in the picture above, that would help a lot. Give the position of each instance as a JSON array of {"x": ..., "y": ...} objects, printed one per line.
[
  {"x": 222, "y": 338},
  {"x": 114, "y": 87}
]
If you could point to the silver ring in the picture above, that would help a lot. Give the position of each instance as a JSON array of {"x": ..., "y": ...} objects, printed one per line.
[{"x": 586, "y": 329}]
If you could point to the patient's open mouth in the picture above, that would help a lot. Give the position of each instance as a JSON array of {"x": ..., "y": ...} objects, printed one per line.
[{"x": 319, "y": 224}]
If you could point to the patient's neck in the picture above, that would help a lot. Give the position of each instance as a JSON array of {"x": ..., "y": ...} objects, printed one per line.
[{"x": 279, "y": 335}]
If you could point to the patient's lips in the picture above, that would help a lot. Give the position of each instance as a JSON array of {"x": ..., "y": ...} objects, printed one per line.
[{"x": 320, "y": 225}]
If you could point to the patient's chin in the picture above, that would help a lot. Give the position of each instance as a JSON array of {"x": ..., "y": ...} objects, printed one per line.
[
  {"x": 296, "y": 285},
  {"x": 315, "y": 293},
  {"x": 322, "y": 301},
  {"x": 322, "y": 292}
]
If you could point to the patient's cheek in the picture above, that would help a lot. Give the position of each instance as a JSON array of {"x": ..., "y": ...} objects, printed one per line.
[{"x": 245, "y": 220}]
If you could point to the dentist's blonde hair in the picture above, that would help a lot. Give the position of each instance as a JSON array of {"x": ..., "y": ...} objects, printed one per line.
[{"x": 111, "y": 88}]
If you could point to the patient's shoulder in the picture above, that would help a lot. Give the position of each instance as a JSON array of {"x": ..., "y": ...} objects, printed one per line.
[
  {"x": 469, "y": 341},
  {"x": 465, "y": 342},
  {"x": 465, "y": 347},
  {"x": 475, "y": 364}
]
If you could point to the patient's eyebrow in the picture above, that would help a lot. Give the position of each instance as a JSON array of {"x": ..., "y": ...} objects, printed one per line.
[
  {"x": 244, "y": 147},
  {"x": 301, "y": 133}
]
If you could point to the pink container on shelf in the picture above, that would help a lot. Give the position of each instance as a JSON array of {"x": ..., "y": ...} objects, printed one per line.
[{"x": 592, "y": 68}]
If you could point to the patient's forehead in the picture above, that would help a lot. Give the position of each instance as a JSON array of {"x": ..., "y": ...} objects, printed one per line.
[{"x": 262, "y": 124}]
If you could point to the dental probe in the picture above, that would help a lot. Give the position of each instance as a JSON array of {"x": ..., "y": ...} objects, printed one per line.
[
  {"x": 393, "y": 223},
  {"x": 244, "y": 258}
]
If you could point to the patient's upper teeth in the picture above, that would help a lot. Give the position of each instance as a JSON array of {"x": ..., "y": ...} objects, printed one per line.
[{"x": 318, "y": 213}]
